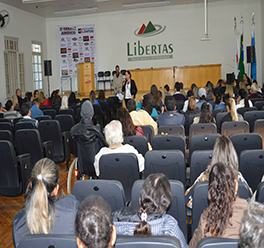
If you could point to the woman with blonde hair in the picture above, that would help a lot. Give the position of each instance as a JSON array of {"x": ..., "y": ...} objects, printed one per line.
[
  {"x": 93, "y": 99},
  {"x": 43, "y": 101},
  {"x": 229, "y": 90},
  {"x": 44, "y": 212},
  {"x": 15, "y": 103},
  {"x": 64, "y": 103},
  {"x": 225, "y": 153},
  {"x": 192, "y": 110},
  {"x": 242, "y": 85}
]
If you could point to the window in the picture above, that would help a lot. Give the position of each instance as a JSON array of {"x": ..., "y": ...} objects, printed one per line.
[
  {"x": 21, "y": 71},
  {"x": 37, "y": 65}
]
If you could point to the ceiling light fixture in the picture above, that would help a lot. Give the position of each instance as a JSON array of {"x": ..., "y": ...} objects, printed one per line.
[
  {"x": 37, "y": 1},
  {"x": 145, "y": 4},
  {"x": 73, "y": 11}
]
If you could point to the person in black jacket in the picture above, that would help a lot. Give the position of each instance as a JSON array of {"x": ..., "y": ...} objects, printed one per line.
[
  {"x": 129, "y": 87},
  {"x": 88, "y": 140}
]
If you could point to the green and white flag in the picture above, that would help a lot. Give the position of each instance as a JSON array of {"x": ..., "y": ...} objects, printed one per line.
[{"x": 241, "y": 66}]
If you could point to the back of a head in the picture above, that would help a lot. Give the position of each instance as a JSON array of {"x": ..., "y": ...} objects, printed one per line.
[
  {"x": 42, "y": 97},
  {"x": 92, "y": 96},
  {"x": 114, "y": 133},
  {"x": 14, "y": 100},
  {"x": 25, "y": 109},
  {"x": 39, "y": 204},
  {"x": 252, "y": 226},
  {"x": 131, "y": 105},
  {"x": 206, "y": 115},
  {"x": 221, "y": 195},
  {"x": 195, "y": 92},
  {"x": 170, "y": 103},
  {"x": 94, "y": 223},
  {"x": 101, "y": 95},
  {"x": 8, "y": 105},
  {"x": 64, "y": 103},
  {"x": 229, "y": 90},
  {"x": 72, "y": 98},
  {"x": 154, "y": 198},
  {"x": 192, "y": 103},
  {"x": 155, "y": 94},
  {"x": 225, "y": 153},
  {"x": 190, "y": 93},
  {"x": 210, "y": 87},
  {"x": 128, "y": 126},
  {"x": 217, "y": 95},
  {"x": 242, "y": 85},
  {"x": 146, "y": 104},
  {"x": 232, "y": 106},
  {"x": 177, "y": 86},
  {"x": 167, "y": 88}
]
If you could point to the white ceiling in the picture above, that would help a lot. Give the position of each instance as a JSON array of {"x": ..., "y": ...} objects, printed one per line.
[{"x": 47, "y": 9}]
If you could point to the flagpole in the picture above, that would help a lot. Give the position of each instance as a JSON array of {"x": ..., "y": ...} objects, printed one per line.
[
  {"x": 235, "y": 50},
  {"x": 253, "y": 44}
]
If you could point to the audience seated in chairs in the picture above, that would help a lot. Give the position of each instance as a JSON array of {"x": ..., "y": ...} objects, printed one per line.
[
  {"x": 128, "y": 127},
  {"x": 225, "y": 153},
  {"x": 145, "y": 103},
  {"x": 242, "y": 100},
  {"x": 35, "y": 111},
  {"x": 94, "y": 224},
  {"x": 156, "y": 99},
  {"x": 202, "y": 98},
  {"x": 26, "y": 113},
  {"x": 15, "y": 102},
  {"x": 206, "y": 115},
  {"x": 166, "y": 90},
  {"x": 209, "y": 91},
  {"x": 43, "y": 101},
  {"x": 72, "y": 99},
  {"x": 186, "y": 103},
  {"x": 93, "y": 99},
  {"x": 88, "y": 140},
  {"x": 114, "y": 138},
  {"x": 56, "y": 99},
  {"x": 192, "y": 110},
  {"x": 10, "y": 113},
  {"x": 177, "y": 94},
  {"x": 252, "y": 226},
  {"x": 223, "y": 216},
  {"x": 151, "y": 219},
  {"x": 222, "y": 101},
  {"x": 172, "y": 116},
  {"x": 254, "y": 91},
  {"x": 44, "y": 212},
  {"x": 64, "y": 103},
  {"x": 140, "y": 117}
]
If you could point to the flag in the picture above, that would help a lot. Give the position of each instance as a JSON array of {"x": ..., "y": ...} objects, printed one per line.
[
  {"x": 253, "y": 65},
  {"x": 241, "y": 66},
  {"x": 235, "y": 51}
]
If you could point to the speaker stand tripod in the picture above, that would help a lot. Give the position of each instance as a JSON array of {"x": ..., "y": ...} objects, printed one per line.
[{"x": 48, "y": 86}]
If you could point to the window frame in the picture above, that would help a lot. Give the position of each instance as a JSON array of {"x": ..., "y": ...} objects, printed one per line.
[{"x": 37, "y": 66}]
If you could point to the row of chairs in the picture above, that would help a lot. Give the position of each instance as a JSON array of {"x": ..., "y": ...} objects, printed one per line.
[{"x": 104, "y": 77}]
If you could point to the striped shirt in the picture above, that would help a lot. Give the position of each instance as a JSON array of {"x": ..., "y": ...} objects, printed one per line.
[{"x": 166, "y": 225}]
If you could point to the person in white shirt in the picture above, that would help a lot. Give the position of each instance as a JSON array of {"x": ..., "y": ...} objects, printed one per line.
[
  {"x": 242, "y": 100},
  {"x": 114, "y": 138},
  {"x": 117, "y": 81}
]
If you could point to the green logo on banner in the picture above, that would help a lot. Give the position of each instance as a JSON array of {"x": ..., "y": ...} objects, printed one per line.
[{"x": 149, "y": 30}]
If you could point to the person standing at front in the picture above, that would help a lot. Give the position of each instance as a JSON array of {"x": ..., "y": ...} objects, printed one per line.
[{"x": 129, "y": 87}]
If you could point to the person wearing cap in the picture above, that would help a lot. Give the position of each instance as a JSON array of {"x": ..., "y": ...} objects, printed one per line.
[
  {"x": 202, "y": 98},
  {"x": 88, "y": 139},
  {"x": 254, "y": 91}
]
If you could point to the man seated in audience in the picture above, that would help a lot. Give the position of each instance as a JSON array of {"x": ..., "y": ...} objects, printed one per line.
[
  {"x": 171, "y": 116},
  {"x": 141, "y": 117},
  {"x": 26, "y": 113},
  {"x": 114, "y": 138},
  {"x": 252, "y": 226},
  {"x": 223, "y": 87},
  {"x": 88, "y": 140},
  {"x": 182, "y": 91},
  {"x": 202, "y": 98},
  {"x": 167, "y": 90},
  {"x": 10, "y": 113},
  {"x": 19, "y": 97},
  {"x": 177, "y": 94},
  {"x": 94, "y": 224},
  {"x": 254, "y": 91},
  {"x": 35, "y": 111}
]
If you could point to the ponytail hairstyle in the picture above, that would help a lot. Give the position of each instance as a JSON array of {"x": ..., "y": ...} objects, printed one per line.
[
  {"x": 39, "y": 204},
  {"x": 221, "y": 195},
  {"x": 154, "y": 198},
  {"x": 232, "y": 106}
]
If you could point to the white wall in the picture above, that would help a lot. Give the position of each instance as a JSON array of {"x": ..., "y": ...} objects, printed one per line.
[
  {"x": 184, "y": 28},
  {"x": 26, "y": 27}
]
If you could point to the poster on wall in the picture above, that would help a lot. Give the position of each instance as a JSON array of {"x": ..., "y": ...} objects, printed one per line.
[{"x": 77, "y": 45}]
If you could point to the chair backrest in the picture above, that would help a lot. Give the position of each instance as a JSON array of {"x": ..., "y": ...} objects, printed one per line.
[
  {"x": 139, "y": 142},
  {"x": 51, "y": 112},
  {"x": 202, "y": 128},
  {"x": 29, "y": 141},
  {"x": 24, "y": 125},
  {"x": 253, "y": 100},
  {"x": 98, "y": 114},
  {"x": 200, "y": 200},
  {"x": 231, "y": 127},
  {"x": 218, "y": 242},
  {"x": 259, "y": 128},
  {"x": 147, "y": 242},
  {"x": 111, "y": 191},
  {"x": 259, "y": 104},
  {"x": 43, "y": 118},
  {"x": 191, "y": 118},
  {"x": 219, "y": 118},
  {"x": 202, "y": 142},
  {"x": 50, "y": 131},
  {"x": 252, "y": 116},
  {"x": 100, "y": 74},
  {"x": 260, "y": 193},
  {"x": 10, "y": 183},
  {"x": 242, "y": 111},
  {"x": 252, "y": 167},
  {"x": 122, "y": 167},
  {"x": 172, "y": 130},
  {"x": 168, "y": 142},
  {"x": 6, "y": 126},
  {"x": 1, "y": 115},
  {"x": 66, "y": 122},
  {"x": 16, "y": 120},
  {"x": 177, "y": 207},
  {"x": 217, "y": 111},
  {"x": 170, "y": 163},
  {"x": 107, "y": 74},
  {"x": 6, "y": 135},
  {"x": 198, "y": 163},
  {"x": 148, "y": 132},
  {"x": 179, "y": 105},
  {"x": 48, "y": 241},
  {"x": 3, "y": 120},
  {"x": 67, "y": 112},
  {"x": 78, "y": 114},
  {"x": 246, "y": 141},
  {"x": 43, "y": 107}
]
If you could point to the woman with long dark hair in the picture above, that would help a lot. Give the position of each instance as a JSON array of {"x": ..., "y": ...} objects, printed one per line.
[
  {"x": 151, "y": 219},
  {"x": 145, "y": 104},
  {"x": 129, "y": 129},
  {"x": 223, "y": 216},
  {"x": 129, "y": 87},
  {"x": 206, "y": 115},
  {"x": 156, "y": 99},
  {"x": 242, "y": 100}
]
